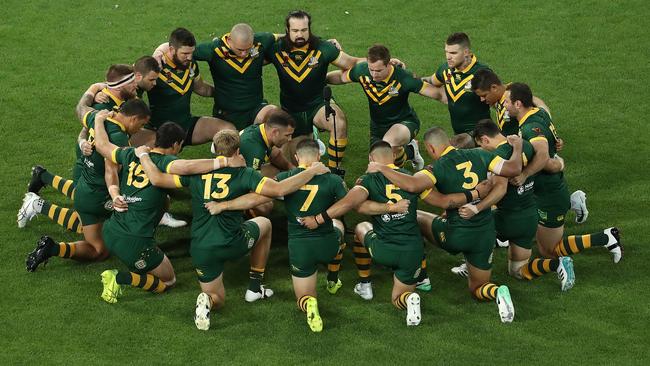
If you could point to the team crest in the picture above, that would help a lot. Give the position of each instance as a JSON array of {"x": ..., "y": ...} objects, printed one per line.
[
  {"x": 468, "y": 86},
  {"x": 141, "y": 264},
  {"x": 393, "y": 91},
  {"x": 313, "y": 62},
  {"x": 191, "y": 72},
  {"x": 254, "y": 52},
  {"x": 506, "y": 116}
]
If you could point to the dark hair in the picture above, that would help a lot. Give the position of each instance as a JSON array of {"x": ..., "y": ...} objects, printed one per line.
[
  {"x": 381, "y": 144},
  {"x": 521, "y": 92},
  {"x": 483, "y": 79},
  {"x": 279, "y": 118},
  {"x": 485, "y": 127},
  {"x": 135, "y": 107},
  {"x": 168, "y": 134},
  {"x": 308, "y": 145},
  {"x": 313, "y": 40},
  {"x": 459, "y": 38},
  {"x": 181, "y": 37},
  {"x": 118, "y": 71},
  {"x": 146, "y": 64},
  {"x": 379, "y": 52}
]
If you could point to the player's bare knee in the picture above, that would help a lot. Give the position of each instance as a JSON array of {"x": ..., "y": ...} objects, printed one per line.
[{"x": 514, "y": 268}]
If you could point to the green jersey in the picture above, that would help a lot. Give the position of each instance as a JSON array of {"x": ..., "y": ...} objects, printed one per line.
[
  {"x": 508, "y": 125},
  {"x": 387, "y": 99},
  {"x": 254, "y": 146},
  {"x": 92, "y": 171},
  {"x": 237, "y": 81},
  {"x": 536, "y": 125},
  {"x": 465, "y": 107},
  {"x": 517, "y": 198},
  {"x": 114, "y": 102},
  {"x": 459, "y": 170},
  {"x": 146, "y": 201},
  {"x": 170, "y": 99},
  {"x": 225, "y": 184},
  {"x": 398, "y": 230},
  {"x": 321, "y": 192},
  {"x": 302, "y": 73}
]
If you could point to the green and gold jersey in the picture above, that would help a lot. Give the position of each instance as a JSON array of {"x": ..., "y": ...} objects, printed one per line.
[
  {"x": 302, "y": 73},
  {"x": 517, "y": 198},
  {"x": 536, "y": 125},
  {"x": 237, "y": 81},
  {"x": 399, "y": 230},
  {"x": 317, "y": 195},
  {"x": 254, "y": 146},
  {"x": 465, "y": 107},
  {"x": 225, "y": 184},
  {"x": 114, "y": 102},
  {"x": 508, "y": 125},
  {"x": 92, "y": 171},
  {"x": 146, "y": 201},
  {"x": 170, "y": 99},
  {"x": 459, "y": 170},
  {"x": 387, "y": 99}
]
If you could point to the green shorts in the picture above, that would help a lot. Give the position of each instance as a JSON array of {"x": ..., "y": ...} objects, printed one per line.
[
  {"x": 476, "y": 243},
  {"x": 552, "y": 208},
  {"x": 305, "y": 120},
  {"x": 209, "y": 260},
  {"x": 91, "y": 204},
  {"x": 519, "y": 227},
  {"x": 306, "y": 253},
  {"x": 377, "y": 133},
  {"x": 241, "y": 119},
  {"x": 140, "y": 255},
  {"x": 188, "y": 125},
  {"x": 406, "y": 264}
]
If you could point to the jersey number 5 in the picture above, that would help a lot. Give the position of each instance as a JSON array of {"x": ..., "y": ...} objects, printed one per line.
[
  {"x": 468, "y": 174},
  {"x": 222, "y": 189},
  {"x": 313, "y": 189},
  {"x": 137, "y": 177},
  {"x": 390, "y": 195}
]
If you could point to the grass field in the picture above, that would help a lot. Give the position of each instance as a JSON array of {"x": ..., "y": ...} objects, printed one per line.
[{"x": 587, "y": 60}]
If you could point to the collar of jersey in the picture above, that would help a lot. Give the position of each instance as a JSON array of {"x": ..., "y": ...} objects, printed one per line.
[
  {"x": 304, "y": 48},
  {"x": 447, "y": 150},
  {"x": 502, "y": 142},
  {"x": 503, "y": 98},
  {"x": 471, "y": 64},
  {"x": 389, "y": 75},
  {"x": 168, "y": 61},
  {"x": 528, "y": 114},
  {"x": 117, "y": 123},
  {"x": 392, "y": 166},
  {"x": 264, "y": 137},
  {"x": 110, "y": 94}
]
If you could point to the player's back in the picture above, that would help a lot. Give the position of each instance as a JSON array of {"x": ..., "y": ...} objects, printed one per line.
[{"x": 321, "y": 192}]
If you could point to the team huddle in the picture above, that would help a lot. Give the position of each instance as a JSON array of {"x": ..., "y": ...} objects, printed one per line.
[{"x": 499, "y": 183}]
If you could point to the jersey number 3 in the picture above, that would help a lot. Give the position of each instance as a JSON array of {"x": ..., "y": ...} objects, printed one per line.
[
  {"x": 466, "y": 167},
  {"x": 221, "y": 190}
]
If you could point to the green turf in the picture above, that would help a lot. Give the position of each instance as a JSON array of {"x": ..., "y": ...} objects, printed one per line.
[{"x": 587, "y": 60}]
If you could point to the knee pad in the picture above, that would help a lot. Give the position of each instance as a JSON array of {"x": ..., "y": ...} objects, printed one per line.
[{"x": 514, "y": 268}]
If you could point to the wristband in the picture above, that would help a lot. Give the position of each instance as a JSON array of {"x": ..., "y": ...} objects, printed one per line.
[
  {"x": 468, "y": 196},
  {"x": 325, "y": 216},
  {"x": 141, "y": 155},
  {"x": 216, "y": 164}
]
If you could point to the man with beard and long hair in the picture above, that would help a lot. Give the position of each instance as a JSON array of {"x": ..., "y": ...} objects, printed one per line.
[
  {"x": 170, "y": 99},
  {"x": 301, "y": 60}
]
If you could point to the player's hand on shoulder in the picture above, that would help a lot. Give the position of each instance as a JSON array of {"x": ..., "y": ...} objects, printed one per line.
[
  {"x": 373, "y": 167},
  {"x": 397, "y": 62},
  {"x": 86, "y": 148},
  {"x": 309, "y": 222},
  {"x": 402, "y": 206},
  {"x": 335, "y": 43},
  {"x": 101, "y": 97},
  {"x": 319, "y": 168},
  {"x": 140, "y": 150},
  {"x": 214, "y": 207},
  {"x": 514, "y": 140},
  {"x": 102, "y": 115},
  {"x": 236, "y": 161}
]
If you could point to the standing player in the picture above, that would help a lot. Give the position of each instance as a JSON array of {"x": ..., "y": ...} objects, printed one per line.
[
  {"x": 551, "y": 192},
  {"x": 487, "y": 85},
  {"x": 515, "y": 218},
  {"x": 301, "y": 60},
  {"x": 171, "y": 96},
  {"x": 98, "y": 183},
  {"x": 224, "y": 237},
  {"x": 455, "y": 76},
  {"x": 469, "y": 230},
  {"x": 387, "y": 87}
]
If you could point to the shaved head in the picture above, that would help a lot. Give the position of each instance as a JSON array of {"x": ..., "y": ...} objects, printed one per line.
[
  {"x": 436, "y": 136},
  {"x": 242, "y": 32},
  {"x": 381, "y": 152}
]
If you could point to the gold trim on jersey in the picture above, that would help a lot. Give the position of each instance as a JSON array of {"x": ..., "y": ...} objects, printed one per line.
[
  {"x": 180, "y": 84},
  {"x": 295, "y": 71},
  {"x": 457, "y": 90},
  {"x": 447, "y": 150},
  {"x": 528, "y": 114},
  {"x": 469, "y": 67},
  {"x": 118, "y": 101},
  {"x": 237, "y": 63},
  {"x": 379, "y": 96},
  {"x": 264, "y": 137},
  {"x": 109, "y": 119},
  {"x": 500, "y": 108}
]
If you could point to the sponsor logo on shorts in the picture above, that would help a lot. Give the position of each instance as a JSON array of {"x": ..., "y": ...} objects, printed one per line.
[
  {"x": 141, "y": 264},
  {"x": 251, "y": 242},
  {"x": 294, "y": 268},
  {"x": 417, "y": 273},
  {"x": 199, "y": 272},
  {"x": 560, "y": 218},
  {"x": 108, "y": 205},
  {"x": 542, "y": 214},
  {"x": 132, "y": 199},
  {"x": 490, "y": 258}
]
